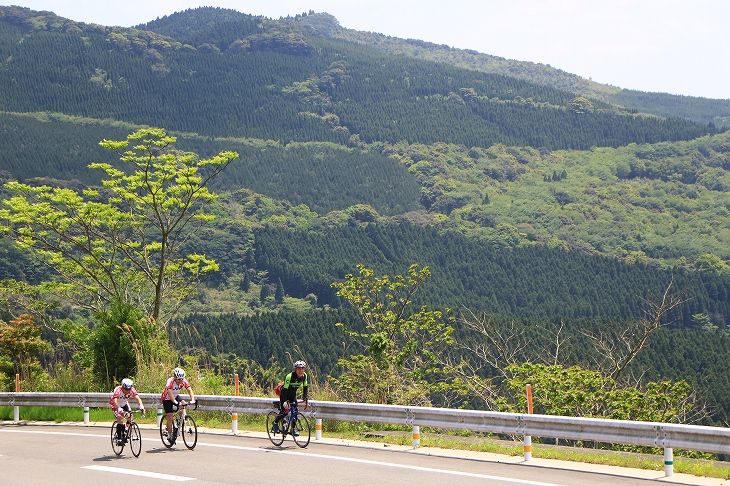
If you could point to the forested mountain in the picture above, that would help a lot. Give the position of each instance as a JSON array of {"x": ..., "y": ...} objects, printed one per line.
[
  {"x": 662, "y": 104},
  {"x": 344, "y": 135},
  {"x": 661, "y": 203},
  {"x": 273, "y": 82},
  {"x": 701, "y": 358},
  {"x": 529, "y": 193},
  {"x": 527, "y": 280}
]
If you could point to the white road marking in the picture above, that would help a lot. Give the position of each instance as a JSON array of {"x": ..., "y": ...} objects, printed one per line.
[
  {"x": 256, "y": 449},
  {"x": 389, "y": 464},
  {"x": 18, "y": 431},
  {"x": 132, "y": 472}
]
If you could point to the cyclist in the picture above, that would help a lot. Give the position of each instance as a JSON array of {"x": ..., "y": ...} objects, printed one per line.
[
  {"x": 171, "y": 400},
  {"x": 120, "y": 405},
  {"x": 292, "y": 382}
]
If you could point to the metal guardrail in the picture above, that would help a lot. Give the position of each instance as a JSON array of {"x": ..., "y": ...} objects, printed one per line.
[{"x": 652, "y": 434}]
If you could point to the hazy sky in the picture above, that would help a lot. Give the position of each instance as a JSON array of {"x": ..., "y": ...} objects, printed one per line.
[{"x": 668, "y": 46}]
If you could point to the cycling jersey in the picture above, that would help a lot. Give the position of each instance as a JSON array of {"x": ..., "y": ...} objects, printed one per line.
[
  {"x": 292, "y": 382},
  {"x": 175, "y": 387},
  {"x": 122, "y": 396}
]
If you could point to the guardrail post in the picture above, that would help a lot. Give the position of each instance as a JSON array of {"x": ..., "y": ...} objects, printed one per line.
[
  {"x": 416, "y": 436},
  {"x": 234, "y": 415},
  {"x": 317, "y": 429},
  {"x": 527, "y": 444},
  {"x": 159, "y": 416},
  {"x": 16, "y": 409},
  {"x": 86, "y": 415},
  {"x": 668, "y": 461},
  {"x": 527, "y": 447}
]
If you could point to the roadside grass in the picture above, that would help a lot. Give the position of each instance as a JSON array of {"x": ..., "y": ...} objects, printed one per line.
[
  {"x": 695, "y": 467},
  {"x": 402, "y": 436}
]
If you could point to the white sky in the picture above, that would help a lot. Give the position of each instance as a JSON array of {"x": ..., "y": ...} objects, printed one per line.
[{"x": 667, "y": 46}]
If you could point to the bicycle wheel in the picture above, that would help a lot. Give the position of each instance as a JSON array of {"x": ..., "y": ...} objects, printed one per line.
[
  {"x": 190, "y": 432},
  {"x": 276, "y": 438},
  {"x": 301, "y": 425},
  {"x": 116, "y": 447},
  {"x": 163, "y": 433},
  {"x": 135, "y": 439}
]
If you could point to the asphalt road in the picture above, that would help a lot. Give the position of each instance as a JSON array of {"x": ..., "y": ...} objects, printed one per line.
[{"x": 82, "y": 455}]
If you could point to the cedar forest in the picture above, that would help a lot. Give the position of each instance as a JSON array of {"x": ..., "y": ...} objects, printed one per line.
[{"x": 553, "y": 207}]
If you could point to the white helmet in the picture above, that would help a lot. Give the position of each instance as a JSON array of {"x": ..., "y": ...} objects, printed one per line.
[
  {"x": 127, "y": 384},
  {"x": 300, "y": 364},
  {"x": 178, "y": 373}
]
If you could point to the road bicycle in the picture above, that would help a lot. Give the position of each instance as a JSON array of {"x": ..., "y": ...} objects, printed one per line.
[
  {"x": 132, "y": 436},
  {"x": 181, "y": 422},
  {"x": 293, "y": 423}
]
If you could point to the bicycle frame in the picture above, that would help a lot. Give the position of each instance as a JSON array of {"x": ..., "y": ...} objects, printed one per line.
[
  {"x": 131, "y": 436},
  {"x": 182, "y": 424},
  {"x": 292, "y": 415},
  {"x": 291, "y": 423}
]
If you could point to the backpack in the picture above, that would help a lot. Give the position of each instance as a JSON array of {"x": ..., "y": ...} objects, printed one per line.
[{"x": 277, "y": 388}]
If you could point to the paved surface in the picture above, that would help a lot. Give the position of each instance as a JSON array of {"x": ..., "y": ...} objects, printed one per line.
[{"x": 360, "y": 461}]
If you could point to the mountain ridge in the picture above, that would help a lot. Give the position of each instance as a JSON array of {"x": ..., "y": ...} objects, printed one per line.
[{"x": 458, "y": 149}]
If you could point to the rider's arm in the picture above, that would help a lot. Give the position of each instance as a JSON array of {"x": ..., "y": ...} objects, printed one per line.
[
  {"x": 170, "y": 396},
  {"x": 139, "y": 402},
  {"x": 190, "y": 392},
  {"x": 284, "y": 397}
]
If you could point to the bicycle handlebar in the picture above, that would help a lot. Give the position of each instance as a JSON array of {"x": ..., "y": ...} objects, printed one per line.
[
  {"x": 131, "y": 412},
  {"x": 187, "y": 405},
  {"x": 306, "y": 402}
]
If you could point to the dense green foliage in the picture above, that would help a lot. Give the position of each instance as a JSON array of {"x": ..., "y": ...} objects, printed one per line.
[
  {"x": 112, "y": 347},
  {"x": 700, "y": 358},
  {"x": 269, "y": 337},
  {"x": 279, "y": 84},
  {"x": 490, "y": 172},
  {"x": 395, "y": 359},
  {"x": 531, "y": 280},
  {"x": 18, "y": 265},
  {"x": 662, "y": 104},
  {"x": 123, "y": 242},
  {"x": 53, "y": 146},
  {"x": 663, "y": 201},
  {"x": 323, "y": 176},
  {"x": 698, "y": 109}
]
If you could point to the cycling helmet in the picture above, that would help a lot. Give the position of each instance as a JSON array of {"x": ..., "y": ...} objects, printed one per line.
[
  {"x": 178, "y": 373},
  {"x": 126, "y": 383},
  {"x": 300, "y": 364}
]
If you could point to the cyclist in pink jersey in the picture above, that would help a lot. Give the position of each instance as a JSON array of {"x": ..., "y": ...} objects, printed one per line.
[
  {"x": 120, "y": 404},
  {"x": 171, "y": 399}
]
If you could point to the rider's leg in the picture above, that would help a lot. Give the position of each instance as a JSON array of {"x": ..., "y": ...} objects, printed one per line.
[
  {"x": 120, "y": 423},
  {"x": 283, "y": 410}
]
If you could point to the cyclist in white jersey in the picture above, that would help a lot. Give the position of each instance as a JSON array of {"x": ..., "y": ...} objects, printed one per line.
[
  {"x": 171, "y": 399},
  {"x": 120, "y": 404}
]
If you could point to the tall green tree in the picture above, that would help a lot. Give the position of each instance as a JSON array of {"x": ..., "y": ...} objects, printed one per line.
[
  {"x": 400, "y": 346},
  {"x": 123, "y": 242},
  {"x": 279, "y": 293},
  {"x": 577, "y": 392},
  {"x": 21, "y": 342}
]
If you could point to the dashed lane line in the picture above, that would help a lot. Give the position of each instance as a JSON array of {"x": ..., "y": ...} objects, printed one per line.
[{"x": 134, "y": 472}]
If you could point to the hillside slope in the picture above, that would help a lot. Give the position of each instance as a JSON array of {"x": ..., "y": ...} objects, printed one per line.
[
  {"x": 662, "y": 104},
  {"x": 271, "y": 81},
  {"x": 331, "y": 126}
]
